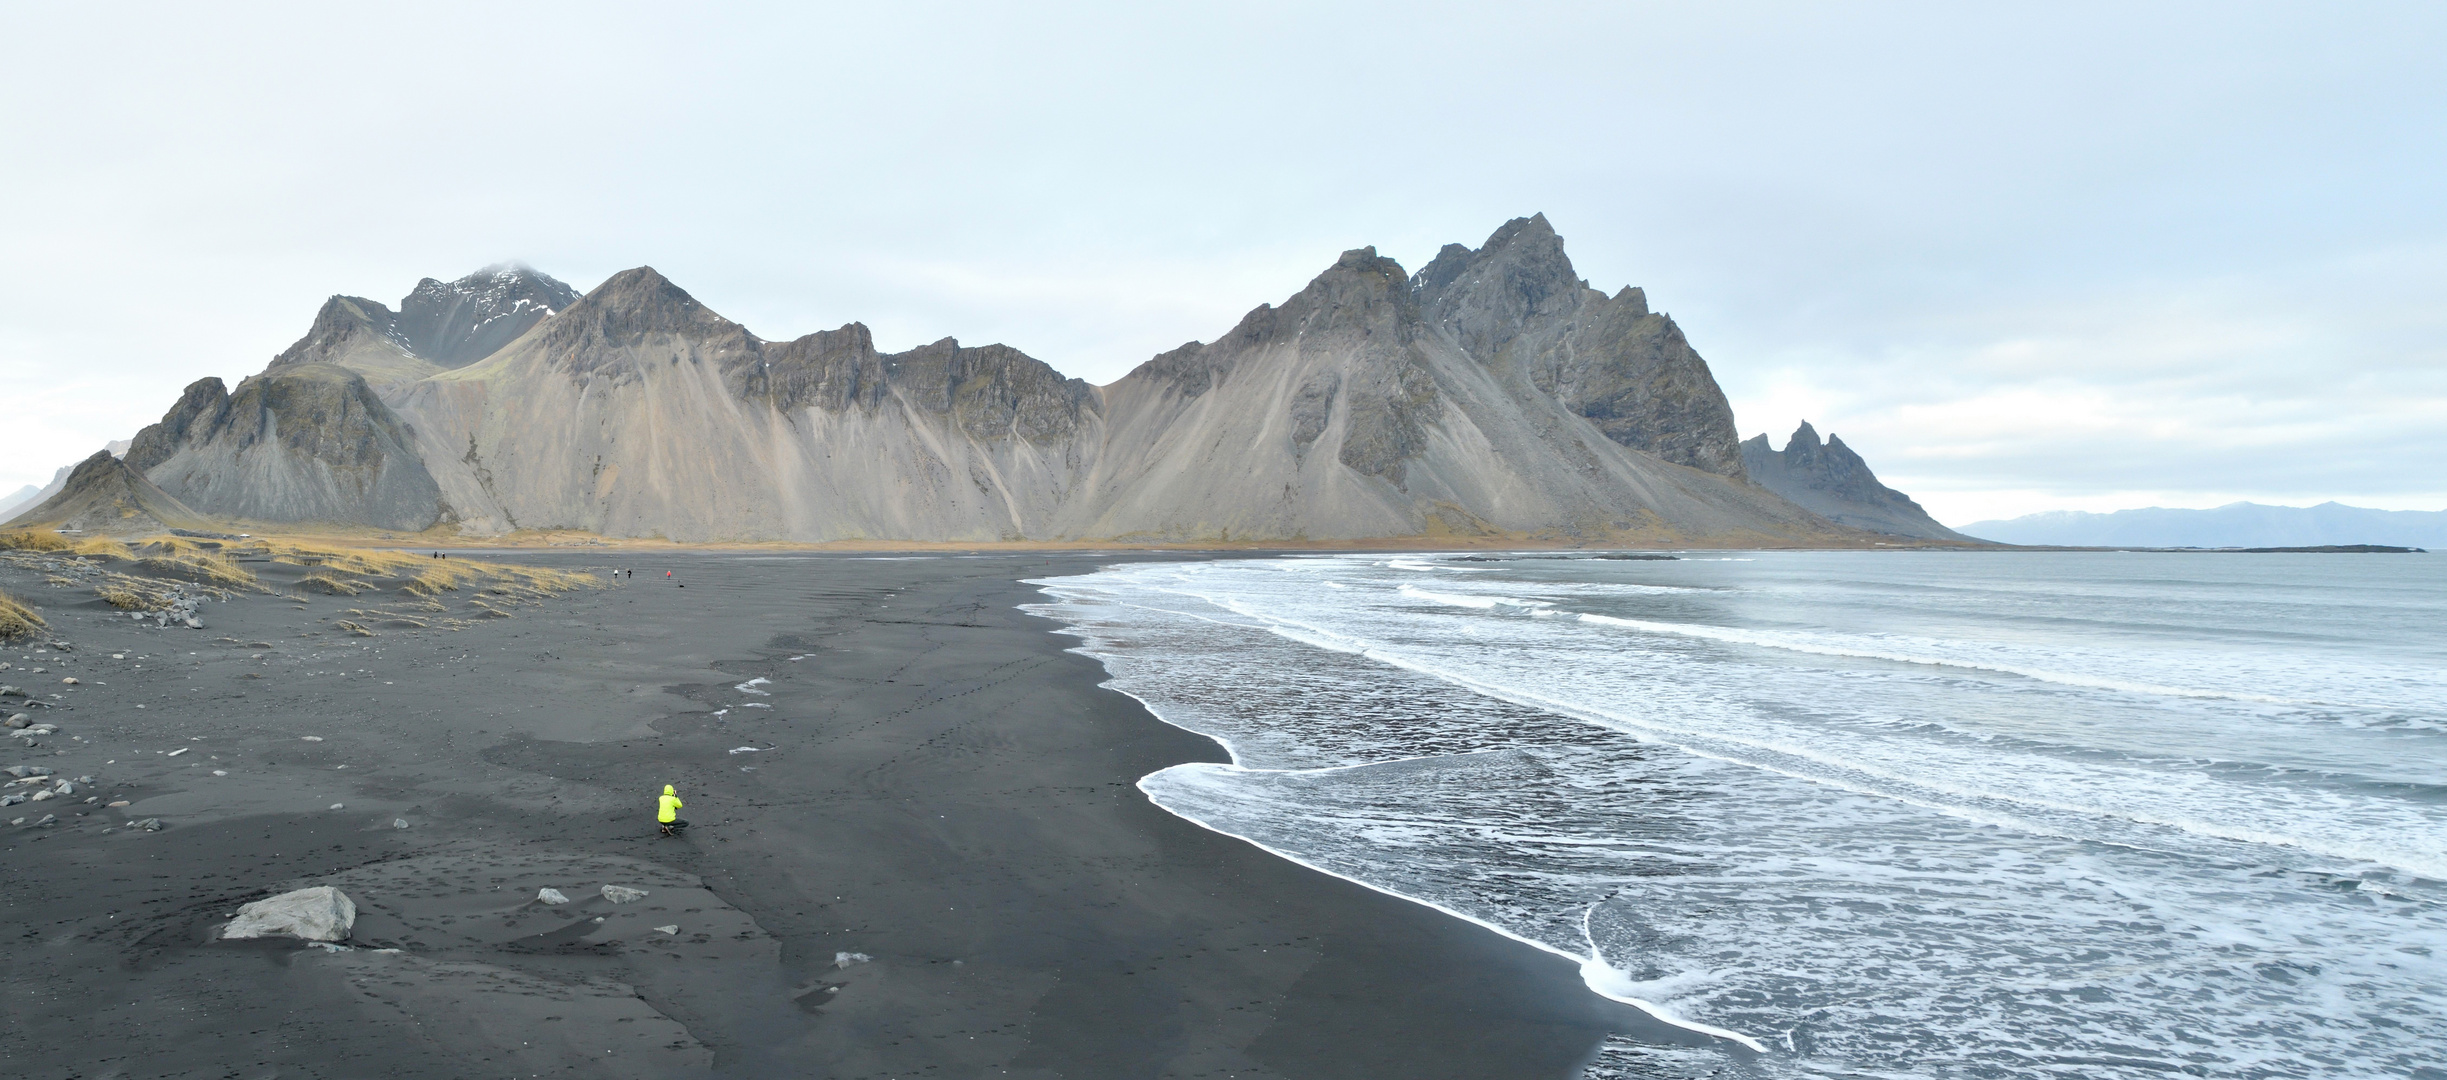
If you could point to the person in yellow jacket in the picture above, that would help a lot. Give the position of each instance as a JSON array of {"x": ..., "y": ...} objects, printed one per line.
[{"x": 667, "y": 813}]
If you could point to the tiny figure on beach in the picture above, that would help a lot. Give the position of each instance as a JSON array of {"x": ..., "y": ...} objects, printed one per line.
[{"x": 667, "y": 812}]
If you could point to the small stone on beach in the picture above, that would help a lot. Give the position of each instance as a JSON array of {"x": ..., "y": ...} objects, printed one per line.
[{"x": 551, "y": 896}]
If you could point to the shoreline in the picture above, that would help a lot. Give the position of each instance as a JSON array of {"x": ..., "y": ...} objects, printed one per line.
[
  {"x": 946, "y": 790},
  {"x": 1584, "y": 964}
]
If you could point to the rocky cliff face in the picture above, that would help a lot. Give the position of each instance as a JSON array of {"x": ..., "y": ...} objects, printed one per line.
[
  {"x": 1372, "y": 404},
  {"x": 1493, "y": 394},
  {"x": 1516, "y": 305},
  {"x": 300, "y": 442},
  {"x": 439, "y": 325},
  {"x": 1831, "y": 480},
  {"x": 104, "y": 497},
  {"x": 639, "y": 411}
]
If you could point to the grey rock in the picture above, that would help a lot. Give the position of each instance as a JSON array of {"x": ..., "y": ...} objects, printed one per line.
[
  {"x": 304, "y": 442},
  {"x": 622, "y": 895},
  {"x": 321, "y": 913},
  {"x": 1517, "y": 305},
  {"x": 149, "y": 825},
  {"x": 17, "y": 721},
  {"x": 399, "y": 823},
  {"x": 47, "y": 819},
  {"x": 11, "y": 799},
  {"x": 1831, "y": 480},
  {"x": 551, "y": 896}
]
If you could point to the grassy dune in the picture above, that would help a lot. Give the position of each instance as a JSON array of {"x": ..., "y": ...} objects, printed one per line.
[{"x": 151, "y": 574}]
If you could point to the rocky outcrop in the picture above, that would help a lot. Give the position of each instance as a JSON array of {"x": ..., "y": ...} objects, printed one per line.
[
  {"x": 457, "y": 323},
  {"x": 1516, "y": 305},
  {"x": 1831, "y": 480},
  {"x": 439, "y": 325},
  {"x": 306, "y": 442},
  {"x": 104, "y": 497},
  {"x": 321, "y": 913}
]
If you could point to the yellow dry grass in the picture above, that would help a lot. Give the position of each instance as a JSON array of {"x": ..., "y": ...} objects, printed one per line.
[
  {"x": 100, "y": 547},
  {"x": 33, "y": 540},
  {"x": 130, "y": 598},
  {"x": 209, "y": 568},
  {"x": 329, "y": 585},
  {"x": 428, "y": 576},
  {"x": 17, "y": 618}
]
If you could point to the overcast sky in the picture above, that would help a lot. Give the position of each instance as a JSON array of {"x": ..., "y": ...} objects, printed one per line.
[{"x": 2022, "y": 258}]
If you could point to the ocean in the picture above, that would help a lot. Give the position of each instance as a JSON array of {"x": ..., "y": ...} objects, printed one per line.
[{"x": 1880, "y": 814}]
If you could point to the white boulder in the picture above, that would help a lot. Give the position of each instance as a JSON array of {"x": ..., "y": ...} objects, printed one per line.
[
  {"x": 622, "y": 895},
  {"x": 321, "y": 913}
]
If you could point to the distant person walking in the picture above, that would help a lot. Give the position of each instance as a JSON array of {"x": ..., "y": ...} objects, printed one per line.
[{"x": 667, "y": 812}]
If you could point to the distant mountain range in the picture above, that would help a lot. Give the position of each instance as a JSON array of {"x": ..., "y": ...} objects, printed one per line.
[
  {"x": 1492, "y": 395},
  {"x": 2240, "y": 524}
]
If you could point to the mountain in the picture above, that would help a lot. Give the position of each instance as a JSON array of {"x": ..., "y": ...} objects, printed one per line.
[
  {"x": 439, "y": 325},
  {"x": 1372, "y": 404},
  {"x": 1833, "y": 481},
  {"x": 59, "y": 479},
  {"x": 104, "y": 497},
  {"x": 24, "y": 496},
  {"x": 1494, "y": 394},
  {"x": 2242, "y": 524},
  {"x": 300, "y": 442}
]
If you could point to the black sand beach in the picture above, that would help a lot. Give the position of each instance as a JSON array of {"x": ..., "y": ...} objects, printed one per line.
[{"x": 938, "y": 787}]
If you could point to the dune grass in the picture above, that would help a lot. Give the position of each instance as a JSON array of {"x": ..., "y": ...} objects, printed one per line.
[
  {"x": 33, "y": 540},
  {"x": 17, "y": 619}
]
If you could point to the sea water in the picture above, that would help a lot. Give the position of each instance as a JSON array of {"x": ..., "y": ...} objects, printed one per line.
[{"x": 1941, "y": 814}]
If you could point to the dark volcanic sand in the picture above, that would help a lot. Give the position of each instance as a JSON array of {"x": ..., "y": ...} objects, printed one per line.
[{"x": 948, "y": 792}]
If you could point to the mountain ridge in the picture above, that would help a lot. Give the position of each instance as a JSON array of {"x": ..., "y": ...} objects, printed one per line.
[{"x": 1493, "y": 394}]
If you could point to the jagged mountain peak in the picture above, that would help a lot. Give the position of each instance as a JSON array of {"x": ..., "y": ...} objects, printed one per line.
[
  {"x": 631, "y": 306},
  {"x": 439, "y": 324},
  {"x": 1520, "y": 273},
  {"x": 344, "y": 326},
  {"x": 1832, "y": 480},
  {"x": 457, "y": 323}
]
